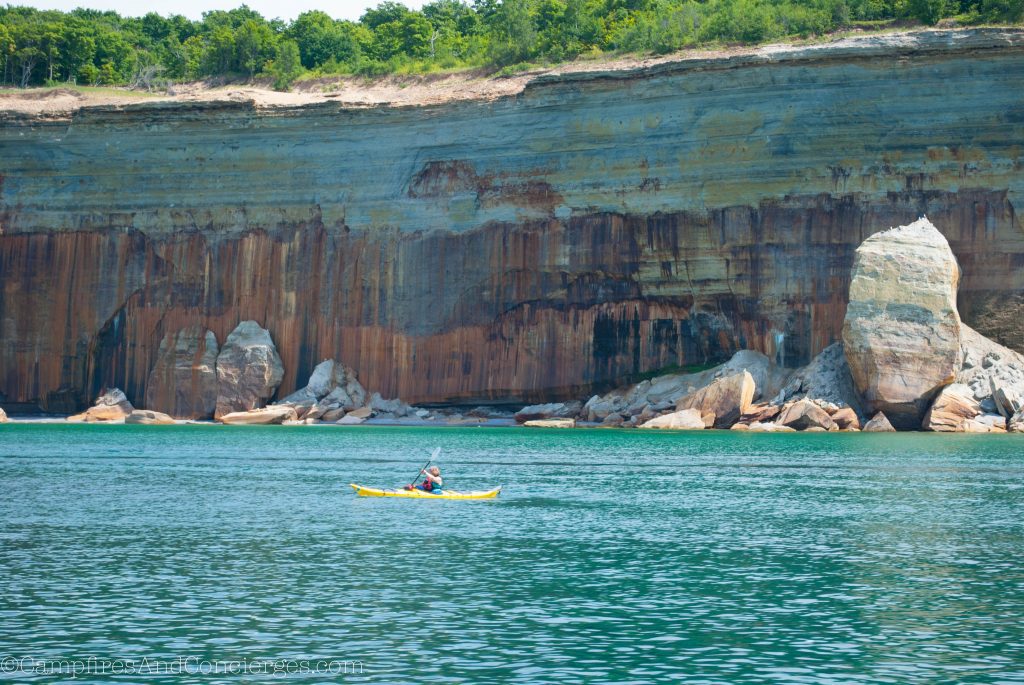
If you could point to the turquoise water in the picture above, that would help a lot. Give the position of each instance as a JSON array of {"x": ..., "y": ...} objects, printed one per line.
[{"x": 611, "y": 556}]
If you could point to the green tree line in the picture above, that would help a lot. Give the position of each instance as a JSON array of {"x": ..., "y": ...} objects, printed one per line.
[{"x": 94, "y": 48}]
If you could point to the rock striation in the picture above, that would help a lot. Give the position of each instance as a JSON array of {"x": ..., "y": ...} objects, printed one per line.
[
  {"x": 952, "y": 411},
  {"x": 249, "y": 370},
  {"x": 901, "y": 334},
  {"x": 183, "y": 381},
  {"x": 661, "y": 217}
]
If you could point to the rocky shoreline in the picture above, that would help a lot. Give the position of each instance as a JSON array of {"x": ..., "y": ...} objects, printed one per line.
[{"x": 906, "y": 362}]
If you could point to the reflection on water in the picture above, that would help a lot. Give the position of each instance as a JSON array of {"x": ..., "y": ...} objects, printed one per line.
[{"x": 612, "y": 556}]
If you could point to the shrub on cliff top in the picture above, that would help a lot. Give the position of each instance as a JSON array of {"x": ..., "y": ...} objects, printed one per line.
[
  {"x": 105, "y": 48},
  {"x": 286, "y": 66}
]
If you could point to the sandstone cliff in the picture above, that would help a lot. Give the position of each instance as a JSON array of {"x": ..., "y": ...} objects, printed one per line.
[{"x": 536, "y": 246}]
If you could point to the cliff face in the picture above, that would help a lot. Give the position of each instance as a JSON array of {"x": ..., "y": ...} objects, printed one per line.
[{"x": 596, "y": 225}]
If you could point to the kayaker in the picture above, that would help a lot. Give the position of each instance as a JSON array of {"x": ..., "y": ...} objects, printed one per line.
[{"x": 432, "y": 482}]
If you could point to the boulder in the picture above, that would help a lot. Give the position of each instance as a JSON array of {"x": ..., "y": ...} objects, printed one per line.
[
  {"x": 249, "y": 369},
  {"x": 1016, "y": 422},
  {"x": 146, "y": 417},
  {"x": 663, "y": 392},
  {"x": 551, "y": 423},
  {"x": 952, "y": 410},
  {"x": 878, "y": 424},
  {"x": 740, "y": 427},
  {"x": 317, "y": 411},
  {"x": 331, "y": 415},
  {"x": 1008, "y": 396},
  {"x": 396, "y": 407},
  {"x": 815, "y": 429},
  {"x": 829, "y": 407},
  {"x": 803, "y": 415},
  {"x": 761, "y": 413},
  {"x": 360, "y": 413},
  {"x": 331, "y": 385},
  {"x": 3, "y": 416},
  {"x": 597, "y": 407},
  {"x": 349, "y": 396},
  {"x": 727, "y": 398},
  {"x": 684, "y": 419},
  {"x": 901, "y": 334},
  {"x": 554, "y": 410},
  {"x": 986, "y": 423},
  {"x": 826, "y": 380},
  {"x": 266, "y": 415},
  {"x": 183, "y": 380},
  {"x": 350, "y": 419},
  {"x": 846, "y": 418},
  {"x": 759, "y": 427},
  {"x": 323, "y": 379},
  {"x": 111, "y": 405},
  {"x": 613, "y": 421},
  {"x": 994, "y": 374}
]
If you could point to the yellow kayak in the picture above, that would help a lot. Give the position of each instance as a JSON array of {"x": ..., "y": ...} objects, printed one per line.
[{"x": 445, "y": 494}]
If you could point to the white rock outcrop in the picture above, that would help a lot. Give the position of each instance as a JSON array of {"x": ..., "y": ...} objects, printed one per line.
[
  {"x": 684, "y": 419},
  {"x": 901, "y": 334},
  {"x": 111, "y": 405},
  {"x": 249, "y": 369}
]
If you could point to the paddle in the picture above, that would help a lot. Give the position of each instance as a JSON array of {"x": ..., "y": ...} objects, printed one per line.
[{"x": 433, "y": 458}]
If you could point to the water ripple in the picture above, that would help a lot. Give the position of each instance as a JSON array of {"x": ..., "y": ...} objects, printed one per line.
[{"x": 611, "y": 556}]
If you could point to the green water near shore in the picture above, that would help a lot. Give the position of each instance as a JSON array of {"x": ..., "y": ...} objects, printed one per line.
[{"x": 611, "y": 556}]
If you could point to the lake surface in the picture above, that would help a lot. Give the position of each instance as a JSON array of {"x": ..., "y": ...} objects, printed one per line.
[{"x": 611, "y": 556}]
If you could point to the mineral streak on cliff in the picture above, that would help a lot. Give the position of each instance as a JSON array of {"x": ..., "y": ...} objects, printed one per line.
[{"x": 532, "y": 247}]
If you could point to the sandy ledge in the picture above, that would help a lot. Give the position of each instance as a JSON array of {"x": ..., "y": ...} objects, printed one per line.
[{"x": 432, "y": 89}]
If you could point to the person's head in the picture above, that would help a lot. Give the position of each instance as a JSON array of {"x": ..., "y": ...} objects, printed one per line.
[{"x": 435, "y": 471}]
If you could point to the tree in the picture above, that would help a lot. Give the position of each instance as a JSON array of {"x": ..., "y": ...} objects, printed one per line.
[
  {"x": 927, "y": 11},
  {"x": 287, "y": 65},
  {"x": 28, "y": 50},
  {"x": 321, "y": 39},
  {"x": 88, "y": 74},
  {"x": 6, "y": 50},
  {"x": 156, "y": 28},
  {"x": 385, "y": 13},
  {"x": 254, "y": 42},
  {"x": 108, "y": 75},
  {"x": 514, "y": 32},
  {"x": 77, "y": 46},
  {"x": 219, "y": 52}
]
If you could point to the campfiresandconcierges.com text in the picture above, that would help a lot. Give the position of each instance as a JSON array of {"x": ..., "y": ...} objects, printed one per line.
[{"x": 182, "y": 665}]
